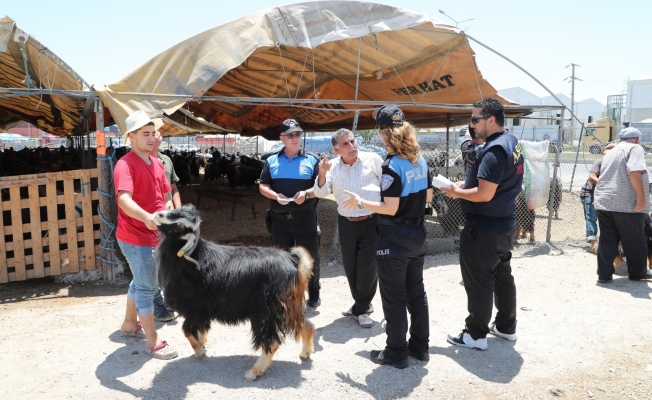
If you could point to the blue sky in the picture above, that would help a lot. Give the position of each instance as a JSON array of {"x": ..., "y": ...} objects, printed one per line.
[{"x": 610, "y": 40}]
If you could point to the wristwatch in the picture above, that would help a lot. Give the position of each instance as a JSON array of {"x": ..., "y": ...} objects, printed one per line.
[
  {"x": 307, "y": 195},
  {"x": 360, "y": 204}
]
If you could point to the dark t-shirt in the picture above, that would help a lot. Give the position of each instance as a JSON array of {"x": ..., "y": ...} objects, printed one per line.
[
  {"x": 491, "y": 169},
  {"x": 588, "y": 188},
  {"x": 493, "y": 165}
]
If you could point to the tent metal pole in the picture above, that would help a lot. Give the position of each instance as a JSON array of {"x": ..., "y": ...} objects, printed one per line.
[
  {"x": 355, "y": 121},
  {"x": 553, "y": 186},
  {"x": 522, "y": 69},
  {"x": 357, "y": 78},
  {"x": 448, "y": 141}
]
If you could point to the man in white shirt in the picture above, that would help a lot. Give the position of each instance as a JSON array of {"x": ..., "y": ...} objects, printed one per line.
[
  {"x": 622, "y": 200},
  {"x": 353, "y": 171}
]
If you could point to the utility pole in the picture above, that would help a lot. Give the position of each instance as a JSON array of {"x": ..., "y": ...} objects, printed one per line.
[{"x": 572, "y": 78}]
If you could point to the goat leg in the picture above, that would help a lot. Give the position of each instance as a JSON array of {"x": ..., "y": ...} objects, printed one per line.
[{"x": 261, "y": 365}]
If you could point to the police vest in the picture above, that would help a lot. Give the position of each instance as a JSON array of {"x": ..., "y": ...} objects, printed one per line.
[{"x": 503, "y": 204}]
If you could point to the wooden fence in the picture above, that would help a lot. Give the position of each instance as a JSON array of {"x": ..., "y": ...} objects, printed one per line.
[{"x": 50, "y": 224}]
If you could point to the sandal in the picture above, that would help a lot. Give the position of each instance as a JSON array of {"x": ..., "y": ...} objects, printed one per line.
[
  {"x": 163, "y": 351},
  {"x": 138, "y": 332}
]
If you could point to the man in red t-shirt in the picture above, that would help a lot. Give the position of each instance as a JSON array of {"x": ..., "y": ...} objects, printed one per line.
[{"x": 142, "y": 190}]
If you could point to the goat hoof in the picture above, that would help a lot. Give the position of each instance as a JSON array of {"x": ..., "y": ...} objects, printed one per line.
[
  {"x": 250, "y": 376},
  {"x": 200, "y": 353}
]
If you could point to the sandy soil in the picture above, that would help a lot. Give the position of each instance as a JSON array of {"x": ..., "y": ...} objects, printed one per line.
[{"x": 577, "y": 339}]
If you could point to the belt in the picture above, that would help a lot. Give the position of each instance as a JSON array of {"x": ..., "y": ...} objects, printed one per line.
[
  {"x": 358, "y": 219},
  {"x": 290, "y": 215},
  {"x": 402, "y": 221}
]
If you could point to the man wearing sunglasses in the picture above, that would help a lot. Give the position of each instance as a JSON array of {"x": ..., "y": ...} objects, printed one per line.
[
  {"x": 287, "y": 179},
  {"x": 352, "y": 171},
  {"x": 488, "y": 200}
]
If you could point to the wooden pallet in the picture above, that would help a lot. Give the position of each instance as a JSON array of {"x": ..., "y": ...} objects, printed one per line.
[{"x": 57, "y": 227}]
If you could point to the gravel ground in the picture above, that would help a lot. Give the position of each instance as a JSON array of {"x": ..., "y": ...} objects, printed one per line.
[{"x": 577, "y": 339}]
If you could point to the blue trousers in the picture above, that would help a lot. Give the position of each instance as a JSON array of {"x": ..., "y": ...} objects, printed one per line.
[
  {"x": 144, "y": 288},
  {"x": 591, "y": 217}
]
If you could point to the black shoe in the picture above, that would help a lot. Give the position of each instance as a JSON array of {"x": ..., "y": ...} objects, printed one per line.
[
  {"x": 162, "y": 314},
  {"x": 608, "y": 280},
  {"x": 314, "y": 303},
  {"x": 378, "y": 356},
  {"x": 421, "y": 356},
  {"x": 464, "y": 339},
  {"x": 646, "y": 277}
]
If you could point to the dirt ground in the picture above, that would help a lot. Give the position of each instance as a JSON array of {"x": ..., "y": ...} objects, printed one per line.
[{"x": 576, "y": 339}]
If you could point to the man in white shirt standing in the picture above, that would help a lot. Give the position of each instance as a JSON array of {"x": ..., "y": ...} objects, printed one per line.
[{"x": 352, "y": 171}]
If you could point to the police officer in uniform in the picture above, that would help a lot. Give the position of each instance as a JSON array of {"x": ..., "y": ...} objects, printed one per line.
[
  {"x": 287, "y": 180},
  {"x": 488, "y": 200},
  {"x": 400, "y": 246}
]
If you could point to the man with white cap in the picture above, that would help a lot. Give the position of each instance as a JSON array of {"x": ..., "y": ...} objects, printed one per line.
[
  {"x": 622, "y": 199},
  {"x": 142, "y": 189},
  {"x": 161, "y": 312}
]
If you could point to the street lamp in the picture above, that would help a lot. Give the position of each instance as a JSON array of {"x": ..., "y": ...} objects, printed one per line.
[{"x": 451, "y": 18}]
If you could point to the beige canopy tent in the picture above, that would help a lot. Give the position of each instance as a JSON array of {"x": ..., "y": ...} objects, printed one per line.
[
  {"x": 38, "y": 87},
  {"x": 327, "y": 64}
]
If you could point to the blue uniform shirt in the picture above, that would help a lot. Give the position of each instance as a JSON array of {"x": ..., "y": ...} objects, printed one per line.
[
  {"x": 408, "y": 182},
  {"x": 290, "y": 175}
]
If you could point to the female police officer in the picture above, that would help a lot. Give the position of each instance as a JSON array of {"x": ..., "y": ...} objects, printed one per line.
[{"x": 400, "y": 247}]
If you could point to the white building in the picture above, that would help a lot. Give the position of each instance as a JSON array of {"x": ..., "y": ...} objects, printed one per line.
[
  {"x": 639, "y": 99},
  {"x": 583, "y": 109}
]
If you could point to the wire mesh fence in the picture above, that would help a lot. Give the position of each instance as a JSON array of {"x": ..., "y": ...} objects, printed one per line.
[{"x": 562, "y": 219}]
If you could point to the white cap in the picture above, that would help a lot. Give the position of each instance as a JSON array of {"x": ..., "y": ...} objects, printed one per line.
[
  {"x": 136, "y": 121},
  {"x": 629, "y": 133}
]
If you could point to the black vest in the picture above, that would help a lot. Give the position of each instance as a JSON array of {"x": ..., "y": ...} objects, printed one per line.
[{"x": 503, "y": 204}]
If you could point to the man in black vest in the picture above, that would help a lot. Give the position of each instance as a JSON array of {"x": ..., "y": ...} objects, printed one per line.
[{"x": 488, "y": 199}]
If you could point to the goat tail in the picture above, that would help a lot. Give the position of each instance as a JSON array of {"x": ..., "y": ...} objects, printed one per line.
[
  {"x": 296, "y": 303},
  {"x": 304, "y": 267}
]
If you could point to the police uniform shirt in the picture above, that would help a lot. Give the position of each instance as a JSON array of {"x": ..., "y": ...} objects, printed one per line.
[
  {"x": 290, "y": 175},
  {"x": 408, "y": 182}
]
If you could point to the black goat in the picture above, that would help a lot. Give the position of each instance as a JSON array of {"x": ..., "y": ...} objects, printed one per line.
[
  {"x": 555, "y": 196},
  {"x": 449, "y": 213},
  {"x": 524, "y": 218},
  {"x": 204, "y": 281}
]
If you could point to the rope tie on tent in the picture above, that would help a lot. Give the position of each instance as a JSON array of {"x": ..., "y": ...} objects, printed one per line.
[
  {"x": 475, "y": 71},
  {"x": 110, "y": 237},
  {"x": 301, "y": 77},
  {"x": 278, "y": 46},
  {"x": 393, "y": 67},
  {"x": 28, "y": 79},
  {"x": 438, "y": 68},
  {"x": 314, "y": 82}
]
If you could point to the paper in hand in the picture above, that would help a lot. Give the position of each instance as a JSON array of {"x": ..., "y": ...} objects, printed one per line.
[
  {"x": 371, "y": 188},
  {"x": 441, "y": 182},
  {"x": 285, "y": 201}
]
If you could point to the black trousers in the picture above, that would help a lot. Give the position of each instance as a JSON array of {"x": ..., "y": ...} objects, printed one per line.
[
  {"x": 358, "y": 243},
  {"x": 302, "y": 232},
  {"x": 485, "y": 257},
  {"x": 399, "y": 254},
  {"x": 629, "y": 229}
]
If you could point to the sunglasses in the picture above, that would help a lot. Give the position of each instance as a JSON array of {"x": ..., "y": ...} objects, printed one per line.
[
  {"x": 475, "y": 120},
  {"x": 293, "y": 135}
]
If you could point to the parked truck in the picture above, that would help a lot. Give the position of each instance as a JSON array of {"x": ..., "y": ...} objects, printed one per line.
[{"x": 598, "y": 134}]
